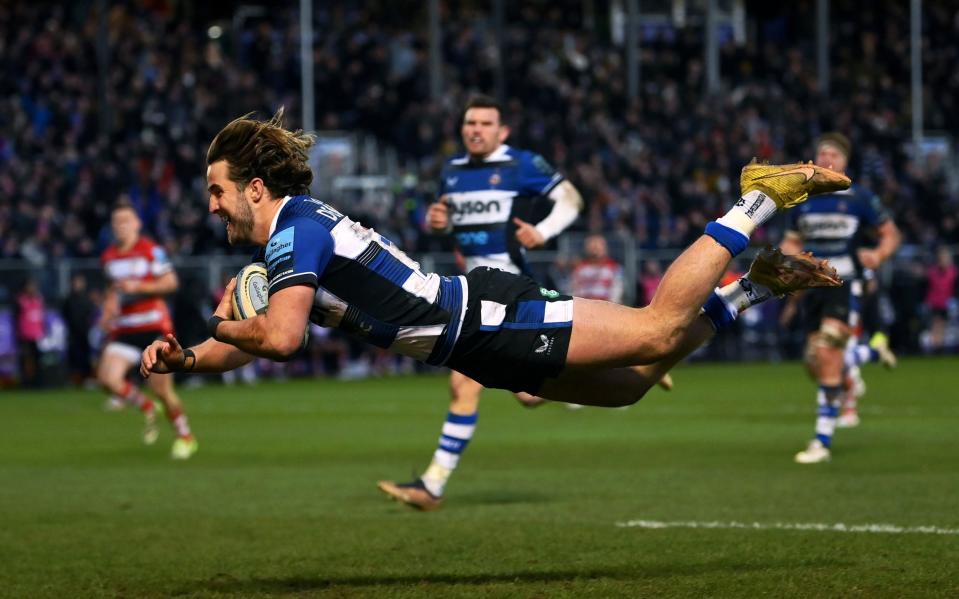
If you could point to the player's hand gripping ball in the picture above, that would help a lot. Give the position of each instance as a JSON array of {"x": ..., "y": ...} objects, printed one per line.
[{"x": 251, "y": 295}]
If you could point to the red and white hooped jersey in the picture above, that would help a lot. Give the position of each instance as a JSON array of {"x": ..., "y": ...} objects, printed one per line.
[
  {"x": 145, "y": 261},
  {"x": 598, "y": 279}
]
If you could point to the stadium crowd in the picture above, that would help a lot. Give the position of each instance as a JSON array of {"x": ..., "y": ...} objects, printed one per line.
[{"x": 655, "y": 169}]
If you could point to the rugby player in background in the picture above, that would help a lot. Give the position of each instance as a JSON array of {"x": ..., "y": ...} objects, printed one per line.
[
  {"x": 830, "y": 226},
  {"x": 599, "y": 277},
  {"x": 481, "y": 192},
  {"x": 134, "y": 315}
]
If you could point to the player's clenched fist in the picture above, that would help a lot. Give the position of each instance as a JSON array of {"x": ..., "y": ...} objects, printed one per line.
[
  {"x": 438, "y": 215},
  {"x": 162, "y": 356},
  {"x": 527, "y": 234}
]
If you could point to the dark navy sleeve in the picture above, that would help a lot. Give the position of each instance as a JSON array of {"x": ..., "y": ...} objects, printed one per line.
[
  {"x": 443, "y": 189},
  {"x": 536, "y": 176},
  {"x": 298, "y": 253},
  {"x": 792, "y": 221},
  {"x": 873, "y": 212}
]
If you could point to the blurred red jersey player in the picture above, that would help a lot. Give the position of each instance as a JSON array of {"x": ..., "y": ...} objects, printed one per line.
[{"x": 134, "y": 315}]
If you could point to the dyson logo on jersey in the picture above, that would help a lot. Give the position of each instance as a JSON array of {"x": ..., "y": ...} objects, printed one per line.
[{"x": 467, "y": 207}]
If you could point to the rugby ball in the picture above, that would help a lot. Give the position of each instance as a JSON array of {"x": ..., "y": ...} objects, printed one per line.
[{"x": 252, "y": 292}]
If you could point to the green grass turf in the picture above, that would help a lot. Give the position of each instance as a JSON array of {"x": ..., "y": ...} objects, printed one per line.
[{"x": 281, "y": 499}]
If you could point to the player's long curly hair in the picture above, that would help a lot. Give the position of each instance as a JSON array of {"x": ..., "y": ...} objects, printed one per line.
[{"x": 266, "y": 150}]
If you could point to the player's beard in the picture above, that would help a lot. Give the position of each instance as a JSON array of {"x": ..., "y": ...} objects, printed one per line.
[{"x": 239, "y": 231}]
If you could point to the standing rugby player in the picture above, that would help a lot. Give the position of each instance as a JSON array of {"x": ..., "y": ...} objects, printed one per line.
[
  {"x": 480, "y": 193},
  {"x": 830, "y": 225}
]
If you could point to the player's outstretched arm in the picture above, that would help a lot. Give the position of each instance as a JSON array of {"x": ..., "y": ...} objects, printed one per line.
[
  {"x": 277, "y": 334},
  {"x": 166, "y": 355}
]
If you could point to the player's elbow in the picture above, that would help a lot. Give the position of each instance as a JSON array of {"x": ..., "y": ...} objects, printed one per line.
[{"x": 286, "y": 345}]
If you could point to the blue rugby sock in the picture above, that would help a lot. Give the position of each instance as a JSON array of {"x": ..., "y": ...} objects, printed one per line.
[
  {"x": 457, "y": 432},
  {"x": 829, "y": 400}
]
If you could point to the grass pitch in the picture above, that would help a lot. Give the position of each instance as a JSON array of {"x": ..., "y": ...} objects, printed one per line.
[{"x": 280, "y": 500}]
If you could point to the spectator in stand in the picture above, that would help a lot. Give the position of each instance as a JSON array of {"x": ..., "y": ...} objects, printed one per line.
[
  {"x": 649, "y": 280},
  {"x": 79, "y": 313},
  {"x": 597, "y": 276},
  {"x": 942, "y": 289},
  {"x": 30, "y": 325}
]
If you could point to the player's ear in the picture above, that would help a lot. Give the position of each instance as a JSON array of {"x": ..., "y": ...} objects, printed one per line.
[
  {"x": 503, "y": 133},
  {"x": 255, "y": 189}
]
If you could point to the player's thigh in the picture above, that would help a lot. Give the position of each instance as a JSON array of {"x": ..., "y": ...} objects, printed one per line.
[
  {"x": 610, "y": 335},
  {"x": 605, "y": 388},
  {"x": 113, "y": 365}
]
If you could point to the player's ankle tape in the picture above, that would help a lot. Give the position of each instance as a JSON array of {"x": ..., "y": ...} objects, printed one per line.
[
  {"x": 720, "y": 313},
  {"x": 732, "y": 240}
]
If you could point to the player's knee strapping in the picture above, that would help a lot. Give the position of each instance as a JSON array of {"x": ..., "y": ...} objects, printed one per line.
[{"x": 832, "y": 335}]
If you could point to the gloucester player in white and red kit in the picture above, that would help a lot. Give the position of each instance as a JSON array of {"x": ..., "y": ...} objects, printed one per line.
[
  {"x": 134, "y": 315},
  {"x": 597, "y": 276}
]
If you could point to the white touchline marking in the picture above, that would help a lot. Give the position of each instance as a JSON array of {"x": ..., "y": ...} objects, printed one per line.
[{"x": 817, "y": 526}]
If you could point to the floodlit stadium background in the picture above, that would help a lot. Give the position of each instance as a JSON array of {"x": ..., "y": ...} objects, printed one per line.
[
  {"x": 650, "y": 107},
  {"x": 651, "y": 127}
]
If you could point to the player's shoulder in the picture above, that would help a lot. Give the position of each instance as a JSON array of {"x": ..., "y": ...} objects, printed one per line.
[
  {"x": 868, "y": 202},
  {"x": 455, "y": 161},
  {"x": 145, "y": 245},
  {"x": 521, "y": 156},
  {"x": 531, "y": 162},
  {"x": 861, "y": 194},
  {"x": 109, "y": 253},
  {"x": 304, "y": 210}
]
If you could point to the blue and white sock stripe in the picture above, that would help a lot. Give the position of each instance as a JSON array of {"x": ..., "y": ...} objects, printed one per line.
[
  {"x": 860, "y": 354},
  {"x": 729, "y": 238},
  {"x": 532, "y": 314},
  {"x": 457, "y": 432},
  {"x": 462, "y": 419},
  {"x": 720, "y": 312},
  {"x": 829, "y": 400},
  {"x": 828, "y": 411}
]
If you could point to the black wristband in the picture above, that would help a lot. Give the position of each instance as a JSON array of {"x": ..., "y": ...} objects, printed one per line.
[
  {"x": 211, "y": 325},
  {"x": 189, "y": 354}
]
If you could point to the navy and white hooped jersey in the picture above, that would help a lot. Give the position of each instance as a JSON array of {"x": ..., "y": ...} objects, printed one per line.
[
  {"x": 364, "y": 284},
  {"x": 481, "y": 199},
  {"x": 832, "y": 224}
]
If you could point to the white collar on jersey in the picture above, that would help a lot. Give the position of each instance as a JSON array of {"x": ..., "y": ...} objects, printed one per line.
[
  {"x": 276, "y": 216},
  {"x": 497, "y": 155}
]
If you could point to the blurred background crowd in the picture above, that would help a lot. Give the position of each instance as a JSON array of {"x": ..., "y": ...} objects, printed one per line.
[{"x": 95, "y": 110}]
